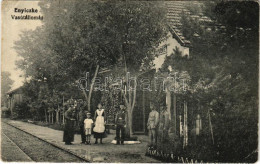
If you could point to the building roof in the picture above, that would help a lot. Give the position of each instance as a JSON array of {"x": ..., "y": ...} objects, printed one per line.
[
  {"x": 14, "y": 90},
  {"x": 175, "y": 9}
]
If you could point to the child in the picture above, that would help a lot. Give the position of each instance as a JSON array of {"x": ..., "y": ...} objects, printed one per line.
[{"x": 88, "y": 122}]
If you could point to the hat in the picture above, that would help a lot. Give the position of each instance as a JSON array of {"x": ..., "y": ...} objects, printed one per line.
[{"x": 88, "y": 113}]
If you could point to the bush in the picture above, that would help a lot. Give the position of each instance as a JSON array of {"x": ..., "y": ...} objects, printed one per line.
[
  {"x": 5, "y": 113},
  {"x": 21, "y": 111}
]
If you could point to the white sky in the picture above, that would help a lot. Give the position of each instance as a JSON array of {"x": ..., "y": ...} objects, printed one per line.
[{"x": 10, "y": 33}]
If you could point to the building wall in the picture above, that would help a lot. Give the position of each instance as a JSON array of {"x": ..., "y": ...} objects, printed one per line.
[
  {"x": 14, "y": 99},
  {"x": 18, "y": 98},
  {"x": 142, "y": 108},
  {"x": 166, "y": 49}
]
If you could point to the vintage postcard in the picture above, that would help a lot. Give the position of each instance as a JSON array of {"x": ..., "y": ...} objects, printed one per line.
[{"x": 129, "y": 81}]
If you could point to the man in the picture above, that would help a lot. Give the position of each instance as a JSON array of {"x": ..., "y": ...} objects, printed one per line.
[
  {"x": 68, "y": 135},
  {"x": 120, "y": 125},
  {"x": 163, "y": 125},
  {"x": 152, "y": 124},
  {"x": 82, "y": 117}
]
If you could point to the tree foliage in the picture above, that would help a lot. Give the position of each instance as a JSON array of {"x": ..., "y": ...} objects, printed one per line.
[
  {"x": 88, "y": 36},
  {"x": 223, "y": 67},
  {"x": 6, "y": 84}
]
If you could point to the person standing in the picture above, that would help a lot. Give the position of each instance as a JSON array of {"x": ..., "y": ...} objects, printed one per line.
[
  {"x": 152, "y": 124},
  {"x": 68, "y": 135},
  {"x": 88, "y": 122},
  {"x": 82, "y": 117},
  {"x": 99, "y": 128},
  {"x": 120, "y": 125},
  {"x": 163, "y": 125}
]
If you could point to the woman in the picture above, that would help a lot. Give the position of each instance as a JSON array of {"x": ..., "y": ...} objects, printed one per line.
[
  {"x": 68, "y": 135},
  {"x": 82, "y": 117},
  {"x": 99, "y": 128}
]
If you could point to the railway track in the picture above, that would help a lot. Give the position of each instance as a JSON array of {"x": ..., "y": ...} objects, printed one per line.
[
  {"x": 15, "y": 148},
  {"x": 35, "y": 148}
]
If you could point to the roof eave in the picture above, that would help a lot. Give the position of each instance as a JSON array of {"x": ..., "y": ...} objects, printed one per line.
[
  {"x": 177, "y": 37},
  {"x": 14, "y": 90}
]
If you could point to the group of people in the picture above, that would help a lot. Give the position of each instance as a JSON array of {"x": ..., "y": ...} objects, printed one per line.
[
  {"x": 97, "y": 125},
  {"x": 158, "y": 125}
]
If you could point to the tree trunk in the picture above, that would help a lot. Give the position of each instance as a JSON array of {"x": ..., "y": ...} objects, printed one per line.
[
  {"x": 168, "y": 102},
  {"x": 11, "y": 107},
  {"x": 210, "y": 126},
  {"x": 63, "y": 117},
  {"x": 91, "y": 87},
  {"x": 129, "y": 130},
  {"x": 129, "y": 107},
  {"x": 46, "y": 117},
  {"x": 88, "y": 96},
  {"x": 63, "y": 111},
  {"x": 130, "y": 103},
  {"x": 185, "y": 125},
  {"x": 49, "y": 117},
  {"x": 131, "y": 123},
  {"x": 57, "y": 115},
  {"x": 132, "y": 109},
  {"x": 52, "y": 115},
  {"x": 174, "y": 114}
]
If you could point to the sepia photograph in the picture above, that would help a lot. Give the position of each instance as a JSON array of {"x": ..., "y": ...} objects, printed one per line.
[{"x": 111, "y": 81}]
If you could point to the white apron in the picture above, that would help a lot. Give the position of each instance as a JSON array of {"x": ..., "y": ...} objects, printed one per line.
[{"x": 100, "y": 122}]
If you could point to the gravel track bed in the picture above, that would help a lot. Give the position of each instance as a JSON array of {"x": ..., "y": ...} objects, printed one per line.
[{"x": 36, "y": 149}]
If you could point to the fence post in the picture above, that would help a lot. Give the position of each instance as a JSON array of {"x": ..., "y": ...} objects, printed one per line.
[
  {"x": 210, "y": 125},
  {"x": 63, "y": 111},
  {"x": 174, "y": 114}
]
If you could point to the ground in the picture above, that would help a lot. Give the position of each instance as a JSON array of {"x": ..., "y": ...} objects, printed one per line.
[
  {"x": 106, "y": 152},
  {"x": 20, "y": 146},
  {"x": 9, "y": 148}
]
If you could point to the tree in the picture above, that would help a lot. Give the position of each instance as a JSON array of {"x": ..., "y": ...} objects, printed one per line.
[
  {"x": 242, "y": 24},
  {"x": 88, "y": 36},
  {"x": 223, "y": 69},
  {"x": 139, "y": 28},
  {"x": 6, "y": 84}
]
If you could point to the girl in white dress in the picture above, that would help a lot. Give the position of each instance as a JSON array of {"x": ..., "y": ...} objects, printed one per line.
[{"x": 99, "y": 128}]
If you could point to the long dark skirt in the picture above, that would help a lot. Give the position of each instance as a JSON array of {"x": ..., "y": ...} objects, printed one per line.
[
  {"x": 68, "y": 135},
  {"x": 99, "y": 135}
]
